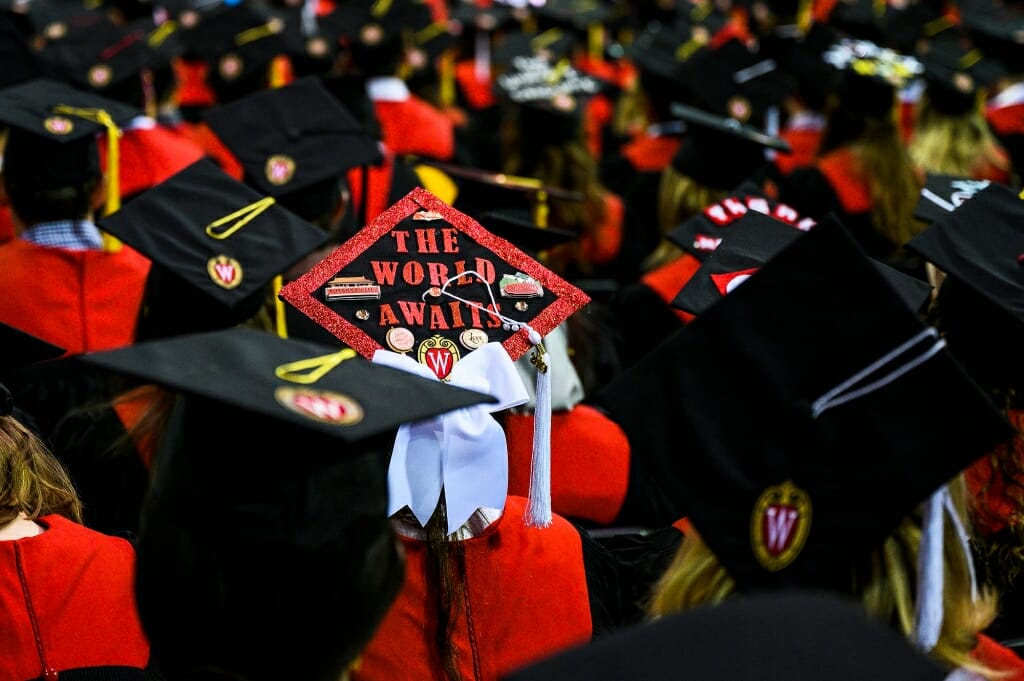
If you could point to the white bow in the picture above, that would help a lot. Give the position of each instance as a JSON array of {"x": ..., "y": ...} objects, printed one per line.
[{"x": 464, "y": 450}]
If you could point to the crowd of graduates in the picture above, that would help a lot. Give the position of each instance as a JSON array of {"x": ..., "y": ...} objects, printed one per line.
[{"x": 387, "y": 340}]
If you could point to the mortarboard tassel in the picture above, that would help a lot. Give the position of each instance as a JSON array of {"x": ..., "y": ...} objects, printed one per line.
[
  {"x": 113, "y": 178},
  {"x": 930, "y": 573},
  {"x": 538, "y": 507}
]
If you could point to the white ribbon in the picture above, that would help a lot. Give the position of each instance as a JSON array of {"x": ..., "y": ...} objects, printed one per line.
[{"x": 463, "y": 451}]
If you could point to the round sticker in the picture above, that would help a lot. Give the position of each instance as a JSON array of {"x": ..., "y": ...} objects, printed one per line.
[
  {"x": 58, "y": 125},
  {"x": 99, "y": 76},
  {"x": 230, "y": 66},
  {"x": 371, "y": 34},
  {"x": 739, "y": 108},
  {"x": 400, "y": 339},
  {"x": 472, "y": 339},
  {"x": 326, "y": 407}
]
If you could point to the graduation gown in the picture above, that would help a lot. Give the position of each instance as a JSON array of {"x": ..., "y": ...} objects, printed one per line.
[
  {"x": 527, "y": 593},
  {"x": 415, "y": 126},
  {"x": 589, "y": 462},
  {"x": 79, "y": 300},
  {"x": 68, "y": 598},
  {"x": 150, "y": 155}
]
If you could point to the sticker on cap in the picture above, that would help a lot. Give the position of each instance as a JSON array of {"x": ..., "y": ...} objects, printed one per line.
[{"x": 779, "y": 525}]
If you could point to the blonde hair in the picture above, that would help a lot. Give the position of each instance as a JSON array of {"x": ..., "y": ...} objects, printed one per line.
[
  {"x": 32, "y": 480},
  {"x": 953, "y": 145},
  {"x": 884, "y": 584},
  {"x": 894, "y": 185},
  {"x": 679, "y": 198}
]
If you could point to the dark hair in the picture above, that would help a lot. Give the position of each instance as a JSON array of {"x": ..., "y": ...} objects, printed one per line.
[
  {"x": 263, "y": 575},
  {"x": 48, "y": 180}
]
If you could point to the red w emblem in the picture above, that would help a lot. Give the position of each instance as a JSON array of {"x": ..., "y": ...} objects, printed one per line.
[
  {"x": 439, "y": 354},
  {"x": 224, "y": 271},
  {"x": 779, "y": 525},
  {"x": 326, "y": 407}
]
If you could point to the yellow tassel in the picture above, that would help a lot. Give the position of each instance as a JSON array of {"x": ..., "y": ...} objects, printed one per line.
[
  {"x": 279, "y": 311},
  {"x": 595, "y": 41},
  {"x": 540, "y": 211},
  {"x": 446, "y": 73},
  {"x": 113, "y": 179}
]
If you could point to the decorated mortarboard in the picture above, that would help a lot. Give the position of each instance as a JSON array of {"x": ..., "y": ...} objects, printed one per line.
[
  {"x": 551, "y": 45},
  {"x": 751, "y": 241},
  {"x": 21, "y": 348},
  {"x": 426, "y": 279},
  {"x": 701, "y": 234},
  {"x": 870, "y": 74},
  {"x": 291, "y": 137},
  {"x": 315, "y": 386},
  {"x": 808, "y": 389},
  {"x": 557, "y": 90},
  {"x": 215, "y": 243},
  {"x": 980, "y": 247},
  {"x": 61, "y": 124},
  {"x": 771, "y": 636},
  {"x": 942, "y": 194}
]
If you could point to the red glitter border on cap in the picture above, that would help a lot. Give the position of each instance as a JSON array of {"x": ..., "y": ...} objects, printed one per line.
[{"x": 299, "y": 293}]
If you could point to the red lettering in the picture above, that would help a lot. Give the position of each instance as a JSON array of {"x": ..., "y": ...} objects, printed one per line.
[
  {"x": 387, "y": 316},
  {"x": 384, "y": 271},
  {"x": 457, "y": 322},
  {"x": 437, "y": 320},
  {"x": 486, "y": 270},
  {"x": 734, "y": 207},
  {"x": 449, "y": 236},
  {"x": 805, "y": 224},
  {"x": 426, "y": 241},
  {"x": 413, "y": 312},
  {"x": 492, "y": 320},
  {"x": 400, "y": 236},
  {"x": 474, "y": 313},
  {"x": 438, "y": 273},
  {"x": 412, "y": 273}
]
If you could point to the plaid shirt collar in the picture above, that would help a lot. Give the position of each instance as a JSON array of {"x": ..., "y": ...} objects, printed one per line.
[{"x": 75, "y": 235}]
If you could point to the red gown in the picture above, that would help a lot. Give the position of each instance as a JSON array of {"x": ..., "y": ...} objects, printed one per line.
[
  {"x": 526, "y": 591},
  {"x": 79, "y": 300},
  {"x": 76, "y": 587},
  {"x": 414, "y": 126}
]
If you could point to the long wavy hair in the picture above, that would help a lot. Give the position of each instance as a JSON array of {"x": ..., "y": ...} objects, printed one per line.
[
  {"x": 679, "y": 198},
  {"x": 32, "y": 479},
  {"x": 884, "y": 583},
  {"x": 882, "y": 158},
  {"x": 953, "y": 145}
]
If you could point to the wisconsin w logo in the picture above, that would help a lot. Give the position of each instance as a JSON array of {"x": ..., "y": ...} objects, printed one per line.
[
  {"x": 439, "y": 354},
  {"x": 779, "y": 525}
]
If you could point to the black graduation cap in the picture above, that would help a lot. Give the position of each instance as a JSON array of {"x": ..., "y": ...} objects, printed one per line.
[
  {"x": 942, "y": 194},
  {"x": 720, "y": 151},
  {"x": 239, "y": 42},
  {"x": 772, "y": 636},
  {"x": 475, "y": 16},
  {"x": 551, "y": 45},
  {"x": 574, "y": 14},
  {"x": 980, "y": 248},
  {"x": 870, "y": 75},
  {"x": 996, "y": 29},
  {"x": 316, "y": 387},
  {"x": 519, "y": 227},
  {"x": 101, "y": 59},
  {"x": 21, "y": 348},
  {"x": 700, "y": 234},
  {"x": 215, "y": 244},
  {"x": 374, "y": 33},
  {"x": 53, "y": 130},
  {"x": 18, "y": 62},
  {"x": 294, "y": 137},
  {"x": 817, "y": 412},
  {"x": 954, "y": 77},
  {"x": 549, "y": 97},
  {"x": 395, "y": 284},
  {"x": 751, "y": 241},
  {"x": 315, "y": 520},
  {"x": 658, "y": 50}
]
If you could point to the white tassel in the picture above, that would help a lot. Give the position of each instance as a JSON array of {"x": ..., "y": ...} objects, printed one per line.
[
  {"x": 538, "y": 508},
  {"x": 930, "y": 574}
]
